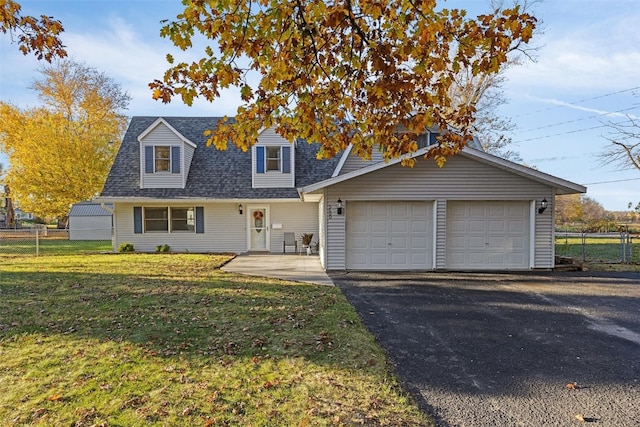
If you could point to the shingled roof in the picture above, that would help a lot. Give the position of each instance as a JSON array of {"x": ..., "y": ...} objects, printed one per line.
[{"x": 213, "y": 174}]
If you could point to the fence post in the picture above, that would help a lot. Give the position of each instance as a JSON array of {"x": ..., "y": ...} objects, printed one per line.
[{"x": 37, "y": 242}]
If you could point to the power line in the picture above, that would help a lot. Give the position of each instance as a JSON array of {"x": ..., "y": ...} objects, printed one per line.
[
  {"x": 559, "y": 134},
  {"x": 579, "y": 102},
  {"x": 610, "y": 182},
  {"x": 579, "y": 120}
]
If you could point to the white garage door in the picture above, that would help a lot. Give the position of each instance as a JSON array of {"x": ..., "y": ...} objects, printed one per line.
[
  {"x": 488, "y": 235},
  {"x": 389, "y": 235}
]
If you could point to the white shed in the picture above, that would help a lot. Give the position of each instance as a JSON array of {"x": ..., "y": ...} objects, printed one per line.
[{"x": 90, "y": 221}]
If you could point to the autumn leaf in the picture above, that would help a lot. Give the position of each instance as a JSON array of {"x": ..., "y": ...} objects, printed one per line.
[
  {"x": 337, "y": 73},
  {"x": 81, "y": 123},
  {"x": 38, "y": 35}
]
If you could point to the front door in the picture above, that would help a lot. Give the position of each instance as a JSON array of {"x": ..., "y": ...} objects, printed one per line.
[{"x": 258, "y": 228}]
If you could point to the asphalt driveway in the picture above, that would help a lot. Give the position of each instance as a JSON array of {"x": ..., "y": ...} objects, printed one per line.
[{"x": 535, "y": 349}]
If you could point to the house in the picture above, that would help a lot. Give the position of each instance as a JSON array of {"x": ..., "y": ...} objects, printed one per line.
[
  {"x": 90, "y": 221},
  {"x": 20, "y": 215},
  {"x": 478, "y": 212}
]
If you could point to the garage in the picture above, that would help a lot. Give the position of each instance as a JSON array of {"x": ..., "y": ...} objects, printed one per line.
[
  {"x": 389, "y": 236},
  {"x": 490, "y": 235}
]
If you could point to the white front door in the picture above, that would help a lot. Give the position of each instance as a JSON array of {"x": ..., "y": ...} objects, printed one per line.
[{"x": 258, "y": 228}]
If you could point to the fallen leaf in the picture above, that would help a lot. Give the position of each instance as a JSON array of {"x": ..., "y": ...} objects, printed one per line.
[
  {"x": 55, "y": 397},
  {"x": 572, "y": 386}
]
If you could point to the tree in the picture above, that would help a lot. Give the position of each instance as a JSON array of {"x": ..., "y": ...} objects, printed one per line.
[
  {"x": 38, "y": 35},
  {"x": 336, "y": 72},
  {"x": 624, "y": 148},
  {"x": 61, "y": 153},
  {"x": 485, "y": 92},
  {"x": 579, "y": 209}
]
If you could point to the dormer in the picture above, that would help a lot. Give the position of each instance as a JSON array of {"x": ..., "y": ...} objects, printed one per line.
[
  {"x": 165, "y": 156},
  {"x": 272, "y": 161},
  {"x": 350, "y": 161}
]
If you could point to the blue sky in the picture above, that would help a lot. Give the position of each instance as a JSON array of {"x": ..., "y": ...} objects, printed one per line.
[{"x": 587, "y": 73}]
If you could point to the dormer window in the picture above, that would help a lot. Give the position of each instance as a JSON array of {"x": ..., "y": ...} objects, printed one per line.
[
  {"x": 162, "y": 157},
  {"x": 273, "y": 159}
]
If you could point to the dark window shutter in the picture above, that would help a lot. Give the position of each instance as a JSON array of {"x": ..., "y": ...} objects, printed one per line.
[
  {"x": 432, "y": 138},
  {"x": 260, "y": 159},
  {"x": 175, "y": 159},
  {"x": 148, "y": 159},
  {"x": 286, "y": 159},
  {"x": 137, "y": 219},
  {"x": 199, "y": 219}
]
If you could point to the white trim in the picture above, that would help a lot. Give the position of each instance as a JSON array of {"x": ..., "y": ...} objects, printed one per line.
[
  {"x": 155, "y": 124},
  {"x": 342, "y": 161},
  {"x": 190, "y": 200},
  {"x": 532, "y": 234},
  {"x": 434, "y": 241}
]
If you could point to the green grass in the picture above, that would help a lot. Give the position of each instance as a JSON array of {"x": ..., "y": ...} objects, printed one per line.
[
  {"x": 53, "y": 246},
  {"x": 597, "y": 249},
  {"x": 145, "y": 339}
]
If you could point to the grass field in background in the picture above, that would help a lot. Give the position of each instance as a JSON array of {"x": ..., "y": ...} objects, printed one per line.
[
  {"x": 146, "y": 339},
  {"x": 596, "y": 248}
]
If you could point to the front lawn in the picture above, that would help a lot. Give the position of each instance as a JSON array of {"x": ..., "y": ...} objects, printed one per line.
[{"x": 145, "y": 339}]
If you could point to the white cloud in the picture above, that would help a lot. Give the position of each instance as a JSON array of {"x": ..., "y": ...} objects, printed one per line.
[{"x": 578, "y": 55}]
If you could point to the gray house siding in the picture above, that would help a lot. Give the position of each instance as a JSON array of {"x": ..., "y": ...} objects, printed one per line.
[
  {"x": 162, "y": 135},
  {"x": 273, "y": 179},
  {"x": 225, "y": 230},
  {"x": 460, "y": 179},
  {"x": 354, "y": 162}
]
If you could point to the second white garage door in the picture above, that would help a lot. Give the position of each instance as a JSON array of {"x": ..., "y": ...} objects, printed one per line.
[
  {"x": 389, "y": 235},
  {"x": 488, "y": 235}
]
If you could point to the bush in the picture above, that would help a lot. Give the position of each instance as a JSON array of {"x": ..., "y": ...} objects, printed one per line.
[
  {"x": 126, "y": 247},
  {"x": 163, "y": 248}
]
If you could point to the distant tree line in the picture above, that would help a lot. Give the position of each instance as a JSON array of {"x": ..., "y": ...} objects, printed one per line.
[{"x": 577, "y": 212}]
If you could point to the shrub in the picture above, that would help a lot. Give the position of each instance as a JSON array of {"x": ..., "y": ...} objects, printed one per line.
[
  {"x": 126, "y": 247},
  {"x": 163, "y": 248}
]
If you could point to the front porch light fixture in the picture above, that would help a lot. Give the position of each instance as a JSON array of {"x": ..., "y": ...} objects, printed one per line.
[
  {"x": 339, "y": 208},
  {"x": 240, "y": 208},
  {"x": 543, "y": 206}
]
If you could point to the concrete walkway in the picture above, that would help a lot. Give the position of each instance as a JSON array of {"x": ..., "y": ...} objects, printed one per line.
[{"x": 298, "y": 268}]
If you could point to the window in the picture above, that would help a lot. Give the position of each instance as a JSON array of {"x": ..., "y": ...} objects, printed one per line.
[
  {"x": 156, "y": 219},
  {"x": 183, "y": 219},
  {"x": 168, "y": 220},
  {"x": 424, "y": 139},
  {"x": 159, "y": 219},
  {"x": 162, "y": 158},
  {"x": 273, "y": 158}
]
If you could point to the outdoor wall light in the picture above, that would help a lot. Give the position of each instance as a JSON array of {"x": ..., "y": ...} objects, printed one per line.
[
  {"x": 543, "y": 206},
  {"x": 240, "y": 209},
  {"x": 339, "y": 209}
]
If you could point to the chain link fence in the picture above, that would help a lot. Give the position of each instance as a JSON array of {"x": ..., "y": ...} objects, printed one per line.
[
  {"x": 43, "y": 241},
  {"x": 616, "y": 247},
  {"x": 612, "y": 247}
]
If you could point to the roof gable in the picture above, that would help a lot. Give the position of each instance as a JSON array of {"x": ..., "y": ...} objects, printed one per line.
[
  {"x": 160, "y": 121},
  {"x": 562, "y": 186}
]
